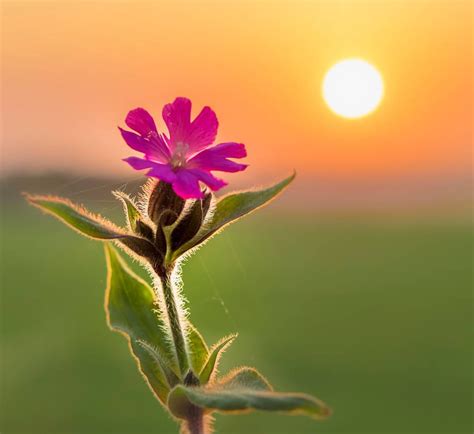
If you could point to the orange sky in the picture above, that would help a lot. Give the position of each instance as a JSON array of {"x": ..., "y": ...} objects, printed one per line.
[{"x": 72, "y": 70}]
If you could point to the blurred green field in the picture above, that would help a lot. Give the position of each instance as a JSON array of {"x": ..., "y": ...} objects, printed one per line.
[{"x": 373, "y": 316}]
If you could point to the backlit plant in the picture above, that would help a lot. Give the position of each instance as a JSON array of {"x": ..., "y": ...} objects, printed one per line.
[{"x": 171, "y": 219}]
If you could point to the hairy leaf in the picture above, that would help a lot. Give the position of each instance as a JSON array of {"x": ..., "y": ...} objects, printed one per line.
[
  {"x": 131, "y": 310},
  {"x": 198, "y": 349},
  {"x": 78, "y": 218},
  {"x": 213, "y": 360},
  {"x": 134, "y": 216},
  {"x": 142, "y": 247},
  {"x": 179, "y": 405},
  {"x": 232, "y": 207},
  {"x": 151, "y": 371},
  {"x": 93, "y": 226},
  {"x": 144, "y": 230},
  {"x": 244, "y": 390},
  {"x": 162, "y": 362},
  {"x": 131, "y": 210}
]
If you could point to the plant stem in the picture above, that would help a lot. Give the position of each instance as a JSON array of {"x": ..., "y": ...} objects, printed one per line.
[
  {"x": 172, "y": 306},
  {"x": 195, "y": 422}
]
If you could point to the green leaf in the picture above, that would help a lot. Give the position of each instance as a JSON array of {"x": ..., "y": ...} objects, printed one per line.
[
  {"x": 77, "y": 217},
  {"x": 133, "y": 214},
  {"x": 198, "y": 349},
  {"x": 161, "y": 361},
  {"x": 244, "y": 390},
  {"x": 151, "y": 372},
  {"x": 232, "y": 207},
  {"x": 135, "y": 219},
  {"x": 213, "y": 360},
  {"x": 131, "y": 310},
  {"x": 245, "y": 378},
  {"x": 93, "y": 226},
  {"x": 141, "y": 247}
]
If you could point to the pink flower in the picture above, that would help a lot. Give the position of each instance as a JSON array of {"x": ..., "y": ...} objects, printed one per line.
[{"x": 186, "y": 157}]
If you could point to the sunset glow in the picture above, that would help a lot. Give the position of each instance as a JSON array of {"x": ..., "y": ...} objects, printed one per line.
[{"x": 72, "y": 70}]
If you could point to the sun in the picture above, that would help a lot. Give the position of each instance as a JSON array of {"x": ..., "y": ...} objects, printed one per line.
[{"x": 353, "y": 88}]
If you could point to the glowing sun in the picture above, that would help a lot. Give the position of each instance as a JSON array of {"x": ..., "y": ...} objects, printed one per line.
[{"x": 353, "y": 88}]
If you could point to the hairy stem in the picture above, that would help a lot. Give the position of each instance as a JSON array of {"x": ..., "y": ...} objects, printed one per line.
[
  {"x": 195, "y": 423},
  {"x": 172, "y": 306}
]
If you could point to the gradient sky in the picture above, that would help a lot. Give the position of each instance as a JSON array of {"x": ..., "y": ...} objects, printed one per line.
[{"x": 71, "y": 71}]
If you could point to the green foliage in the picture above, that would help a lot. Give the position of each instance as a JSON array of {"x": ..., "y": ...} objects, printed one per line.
[
  {"x": 171, "y": 354},
  {"x": 206, "y": 374},
  {"x": 162, "y": 362},
  {"x": 131, "y": 310},
  {"x": 132, "y": 212},
  {"x": 76, "y": 217},
  {"x": 197, "y": 348},
  {"x": 179, "y": 225},
  {"x": 93, "y": 226},
  {"x": 231, "y": 208},
  {"x": 135, "y": 219},
  {"x": 244, "y": 390}
]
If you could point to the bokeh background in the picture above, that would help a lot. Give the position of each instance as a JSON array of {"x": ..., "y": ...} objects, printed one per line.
[{"x": 354, "y": 286}]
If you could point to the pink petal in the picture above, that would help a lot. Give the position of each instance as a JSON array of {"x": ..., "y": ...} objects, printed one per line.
[
  {"x": 216, "y": 158},
  {"x": 203, "y": 131},
  {"x": 207, "y": 178},
  {"x": 140, "y": 121},
  {"x": 154, "y": 146},
  {"x": 139, "y": 163},
  {"x": 186, "y": 185},
  {"x": 135, "y": 141},
  {"x": 177, "y": 116},
  {"x": 157, "y": 170},
  {"x": 230, "y": 150},
  {"x": 197, "y": 134},
  {"x": 163, "y": 172}
]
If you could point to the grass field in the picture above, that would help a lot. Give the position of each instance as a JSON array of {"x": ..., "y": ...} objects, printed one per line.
[{"x": 372, "y": 316}]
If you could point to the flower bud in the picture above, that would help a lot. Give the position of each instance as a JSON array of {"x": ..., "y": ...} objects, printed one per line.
[
  {"x": 191, "y": 379},
  {"x": 160, "y": 239},
  {"x": 163, "y": 198},
  {"x": 188, "y": 226}
]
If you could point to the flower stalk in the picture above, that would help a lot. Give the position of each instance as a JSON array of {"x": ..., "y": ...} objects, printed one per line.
[
  {"x": 172, "y": 306},
  {"x": 195, "y": 422}
]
